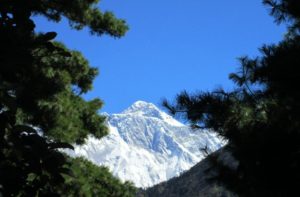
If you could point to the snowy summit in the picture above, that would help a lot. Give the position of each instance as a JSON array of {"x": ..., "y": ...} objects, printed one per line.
[{"x": 147, "y": 146}]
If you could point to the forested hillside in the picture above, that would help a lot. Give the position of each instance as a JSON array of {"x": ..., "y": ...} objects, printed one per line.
[{"x": 198, "y": 181}]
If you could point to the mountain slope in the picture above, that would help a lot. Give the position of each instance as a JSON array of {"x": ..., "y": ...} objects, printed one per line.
[
  {"x": 196, "y": 181},
  {"x": 147, "y": 146}
]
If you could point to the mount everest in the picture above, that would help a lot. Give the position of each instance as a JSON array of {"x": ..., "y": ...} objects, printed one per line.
[{"x": 147, "y": 146}]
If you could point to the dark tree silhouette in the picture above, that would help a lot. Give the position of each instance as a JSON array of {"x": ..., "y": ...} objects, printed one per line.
[
  {"x": 41, "y": 82},
  {"x": 261, "y": 116}
]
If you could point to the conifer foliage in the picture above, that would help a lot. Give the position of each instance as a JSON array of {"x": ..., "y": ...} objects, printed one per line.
[
  {"x": 261, "y": 116},
  {"x": 41, "y": 109}
]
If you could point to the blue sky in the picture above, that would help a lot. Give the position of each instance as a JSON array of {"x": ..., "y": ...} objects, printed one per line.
[{"x": 171, "y": 46}]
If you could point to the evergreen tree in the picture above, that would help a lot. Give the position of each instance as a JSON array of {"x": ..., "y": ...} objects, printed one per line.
[
  {"x": 260, "y": 118},
  {"x": 41, "y": 108},
  {"x": 90, "y": 180}
]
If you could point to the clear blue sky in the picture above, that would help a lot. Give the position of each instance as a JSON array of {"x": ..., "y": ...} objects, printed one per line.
[{"x": 172, "y": 45}]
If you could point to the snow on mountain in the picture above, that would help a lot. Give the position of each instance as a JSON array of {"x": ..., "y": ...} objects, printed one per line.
[{"x": 147, "y": 146}]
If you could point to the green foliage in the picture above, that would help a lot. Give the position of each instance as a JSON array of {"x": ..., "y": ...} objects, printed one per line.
[
  {"x": 30, "y": 165},
  {"x": 260, "y": 118},
  {"x": 41, "y": 83},
  {"x": 89, "y": 180}
]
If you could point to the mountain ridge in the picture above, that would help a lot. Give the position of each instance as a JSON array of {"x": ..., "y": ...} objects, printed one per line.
[
  {"x": 147, "y": 146},
  {"x": 197, "y": 181}
]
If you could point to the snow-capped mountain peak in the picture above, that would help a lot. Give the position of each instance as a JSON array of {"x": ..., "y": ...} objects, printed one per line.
[
  {"x": 139, "y": 106},
  {"x": 147, "y": 146},
  {"x": 142, "y": 108}
]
